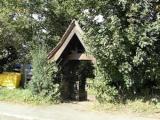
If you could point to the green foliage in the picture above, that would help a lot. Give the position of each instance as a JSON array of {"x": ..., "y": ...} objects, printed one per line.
[
  {"x": 102, "y": 91},
  {"x": 44, "y": 73},
  {"x": 22, "y": 23},
  {"x": 14, "y": 25},
  {"x": 126, "y": 45},
  {"x": 22, "y": 96},
  {"x": 105, "y": 93}
]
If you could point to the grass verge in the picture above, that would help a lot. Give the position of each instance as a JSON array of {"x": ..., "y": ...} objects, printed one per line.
[
  {"x": 131, "y": 106},
  {"x": 23, "y": 96},
  {"x": 137, "y": 106}
]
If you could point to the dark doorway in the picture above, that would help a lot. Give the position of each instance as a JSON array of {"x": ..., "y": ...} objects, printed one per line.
[{"x": 74, "y": 76}]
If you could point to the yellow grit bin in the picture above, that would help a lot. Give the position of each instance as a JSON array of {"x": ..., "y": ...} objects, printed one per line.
[{"x": 10, "y": 79}]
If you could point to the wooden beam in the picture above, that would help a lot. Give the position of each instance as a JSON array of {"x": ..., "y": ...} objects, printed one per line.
[{"x": 81, "y": 56}]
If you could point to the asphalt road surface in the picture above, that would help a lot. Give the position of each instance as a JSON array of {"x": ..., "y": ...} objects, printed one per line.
[{"x": 66, "y": 111}]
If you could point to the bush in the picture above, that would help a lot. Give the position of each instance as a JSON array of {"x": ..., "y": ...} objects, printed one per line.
[
  {"x": 103, "y": 92},
  {"x": 44, "y": 72}
]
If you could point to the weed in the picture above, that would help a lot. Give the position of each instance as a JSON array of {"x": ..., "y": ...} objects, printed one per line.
[{"x": 22, "y": 96}]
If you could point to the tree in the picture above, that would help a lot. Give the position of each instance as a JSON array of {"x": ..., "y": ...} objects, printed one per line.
[
  {"x": 10, "y": 39},
  {"x": 126, "y": 45},
  {"x": 23, "y": 22}
]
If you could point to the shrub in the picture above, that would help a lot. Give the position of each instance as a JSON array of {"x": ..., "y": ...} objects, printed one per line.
[
  {"x": 104, "y": 93},
  {"x": 44, "y": 72}
]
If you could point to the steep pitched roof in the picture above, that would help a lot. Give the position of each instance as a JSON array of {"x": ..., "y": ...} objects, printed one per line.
[{"x": 73, "y": 29}]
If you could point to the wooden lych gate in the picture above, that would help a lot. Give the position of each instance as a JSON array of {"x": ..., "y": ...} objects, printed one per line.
[{"x": 75, "y": 65}]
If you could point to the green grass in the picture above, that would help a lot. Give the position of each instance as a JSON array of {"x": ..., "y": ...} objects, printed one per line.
[
  {"x": 137, "y": 106},
  {"x": 23, "y": 96}
]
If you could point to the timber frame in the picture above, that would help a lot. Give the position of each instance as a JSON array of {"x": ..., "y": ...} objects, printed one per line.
[
  {"x": 69, "y": 54},
  {"x": 73, "y": 29}
]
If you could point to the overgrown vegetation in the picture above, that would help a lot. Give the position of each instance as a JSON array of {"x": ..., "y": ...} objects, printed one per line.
[
  {"x": 44, "y": 72},
  {"x": 22, "y": 96},
  {"x": 22, "y": 22},
  {"x": 107, "y": 103},
  {"x": 137, "y": 106},
  {"x": 126, "y": 45},
  {"x": 123, "y": 35}
]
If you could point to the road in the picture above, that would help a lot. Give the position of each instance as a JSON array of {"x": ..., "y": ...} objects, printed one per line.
[{"x": 65, "y": 111}]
